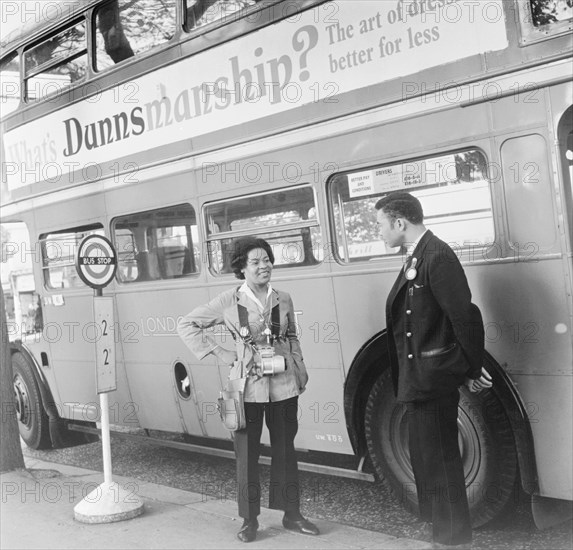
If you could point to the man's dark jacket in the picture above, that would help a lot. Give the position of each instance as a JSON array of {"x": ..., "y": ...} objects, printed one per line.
[{"x": 435, "y": 332}]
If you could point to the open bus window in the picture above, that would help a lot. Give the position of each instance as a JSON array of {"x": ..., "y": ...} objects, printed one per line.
[
  {"x": 125, "y": 28},
  {"x": 158, "y": 244},
  {"x": 59, "y": 251},
  {"x": 56, "y": 62},
  {"x": 10, "y": 79},
  {"x": 541, "y": 19},
  {"x": 453, "y": 189},
  {"x": 199, "y": 13},
  {"x": 287, "y": 219}
]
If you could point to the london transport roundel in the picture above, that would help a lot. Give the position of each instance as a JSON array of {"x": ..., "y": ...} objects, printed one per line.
[{"x": 96, "y": 261}]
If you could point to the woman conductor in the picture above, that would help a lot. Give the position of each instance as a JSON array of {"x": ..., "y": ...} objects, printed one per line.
[{"x": 257, "y": 314}]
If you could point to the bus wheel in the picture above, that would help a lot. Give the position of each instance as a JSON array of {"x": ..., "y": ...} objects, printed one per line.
[
  {"x": 33, "y": 421},
  {"x": 486, "y": 443}
]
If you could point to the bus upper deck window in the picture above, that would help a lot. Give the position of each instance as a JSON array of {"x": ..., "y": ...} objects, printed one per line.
[
  {"x": 199, "y": 13},
  {"x": 543, "y": 19},
  {"x": 126, "y": 28},
  {"x": 56, "y": 62},
  {"x": 546, "y": 12},
  {"x": 10, "y": 78}
]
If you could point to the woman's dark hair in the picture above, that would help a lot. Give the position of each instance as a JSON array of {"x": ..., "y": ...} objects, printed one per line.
[
  {"x": 400, "y": 204},
  {"x": 241, "y": 249}
]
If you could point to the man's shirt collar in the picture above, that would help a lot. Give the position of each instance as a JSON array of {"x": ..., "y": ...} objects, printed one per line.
[{"x": 411, "y": 247}]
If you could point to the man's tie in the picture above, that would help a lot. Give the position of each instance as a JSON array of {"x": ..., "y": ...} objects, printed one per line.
[{"x": 406, "y": 264}]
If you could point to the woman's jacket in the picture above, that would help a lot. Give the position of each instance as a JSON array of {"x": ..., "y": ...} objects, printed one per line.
[{"x": 223, "y": 310}]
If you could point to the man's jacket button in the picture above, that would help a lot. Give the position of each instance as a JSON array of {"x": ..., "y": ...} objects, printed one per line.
[
  {"x": 410, "y": 356},
  {"x": 408, "y": 311}
]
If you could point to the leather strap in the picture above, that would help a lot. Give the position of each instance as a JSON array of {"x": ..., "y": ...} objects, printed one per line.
[{"x": 245, "y": 330}]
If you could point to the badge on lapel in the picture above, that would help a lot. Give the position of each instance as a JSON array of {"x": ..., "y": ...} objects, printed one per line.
[{"x": 411, "y": 272}]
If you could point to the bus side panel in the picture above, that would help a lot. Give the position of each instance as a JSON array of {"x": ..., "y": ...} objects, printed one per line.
[
  {"x": 208, "y": 376},
  {"x": 549, "y": 405},
  {"x": 321, "y": 415},
  {"x": 69, "y": 329},
  {"x": 361, "y": 314},
  {"x": 523, "y": 333},
  {"x": 523, "y": 321},
  {"x": 152, "y": 348}
]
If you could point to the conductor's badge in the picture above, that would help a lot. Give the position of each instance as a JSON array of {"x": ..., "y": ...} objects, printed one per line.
[{"x": 412, "y": 272}]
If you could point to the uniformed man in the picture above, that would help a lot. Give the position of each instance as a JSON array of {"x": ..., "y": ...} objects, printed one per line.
[{"x": 436, "y": 344}]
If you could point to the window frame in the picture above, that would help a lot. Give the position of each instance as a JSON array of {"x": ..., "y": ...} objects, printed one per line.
[
  {"x": 93, "y": 33},
  {"x": 330, "y": 183},
  {"x": 261, "y": 231},
  {"x": 530, "y": 34},
  {"x": 17, "y": 80},
  {"x": 54, "y": 61},
  {"x": 90, "y": 229},
  {"x": 223, "y": 21},
  {"x": 195, "y": 259}
]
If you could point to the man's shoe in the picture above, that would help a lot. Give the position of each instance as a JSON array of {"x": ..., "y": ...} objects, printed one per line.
[
  {"x": 301, "y": 525},
  {"x": 248, "y": 532}
]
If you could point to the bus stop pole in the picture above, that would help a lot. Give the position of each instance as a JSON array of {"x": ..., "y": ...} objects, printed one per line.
[
  {"x": 105, "y": 438},
  {"x": 109, "y": 502}
]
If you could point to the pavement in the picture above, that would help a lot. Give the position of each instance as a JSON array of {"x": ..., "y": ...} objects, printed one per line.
[{"x": 37, "y": 512}]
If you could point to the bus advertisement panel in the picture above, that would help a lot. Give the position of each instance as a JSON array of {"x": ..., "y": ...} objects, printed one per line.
[{"x": 309, "y": 57}]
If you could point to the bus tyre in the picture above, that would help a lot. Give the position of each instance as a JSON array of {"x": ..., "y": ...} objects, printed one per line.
[
  {"x": 33, "y": 421},
  {"x": 486, "y": 443}
]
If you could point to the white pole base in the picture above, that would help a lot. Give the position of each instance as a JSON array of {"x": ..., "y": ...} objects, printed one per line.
[{"x": 107, "y": 503}]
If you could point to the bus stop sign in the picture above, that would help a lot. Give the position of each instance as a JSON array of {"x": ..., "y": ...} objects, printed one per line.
[{"x": 96, "y": 261}]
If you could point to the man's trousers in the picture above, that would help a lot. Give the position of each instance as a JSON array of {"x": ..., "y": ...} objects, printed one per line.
[{"x": 438, "y": 469}]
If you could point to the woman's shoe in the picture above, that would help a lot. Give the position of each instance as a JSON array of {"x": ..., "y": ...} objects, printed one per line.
[
  {"x": 248, "y": 532},
  {"x": 301, "y": 525}
]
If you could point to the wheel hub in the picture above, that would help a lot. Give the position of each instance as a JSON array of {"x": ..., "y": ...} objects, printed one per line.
[{"x": 22, "y": 401}]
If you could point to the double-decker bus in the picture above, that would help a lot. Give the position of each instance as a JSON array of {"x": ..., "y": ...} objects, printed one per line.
[{"x": 175, "y": 126}]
